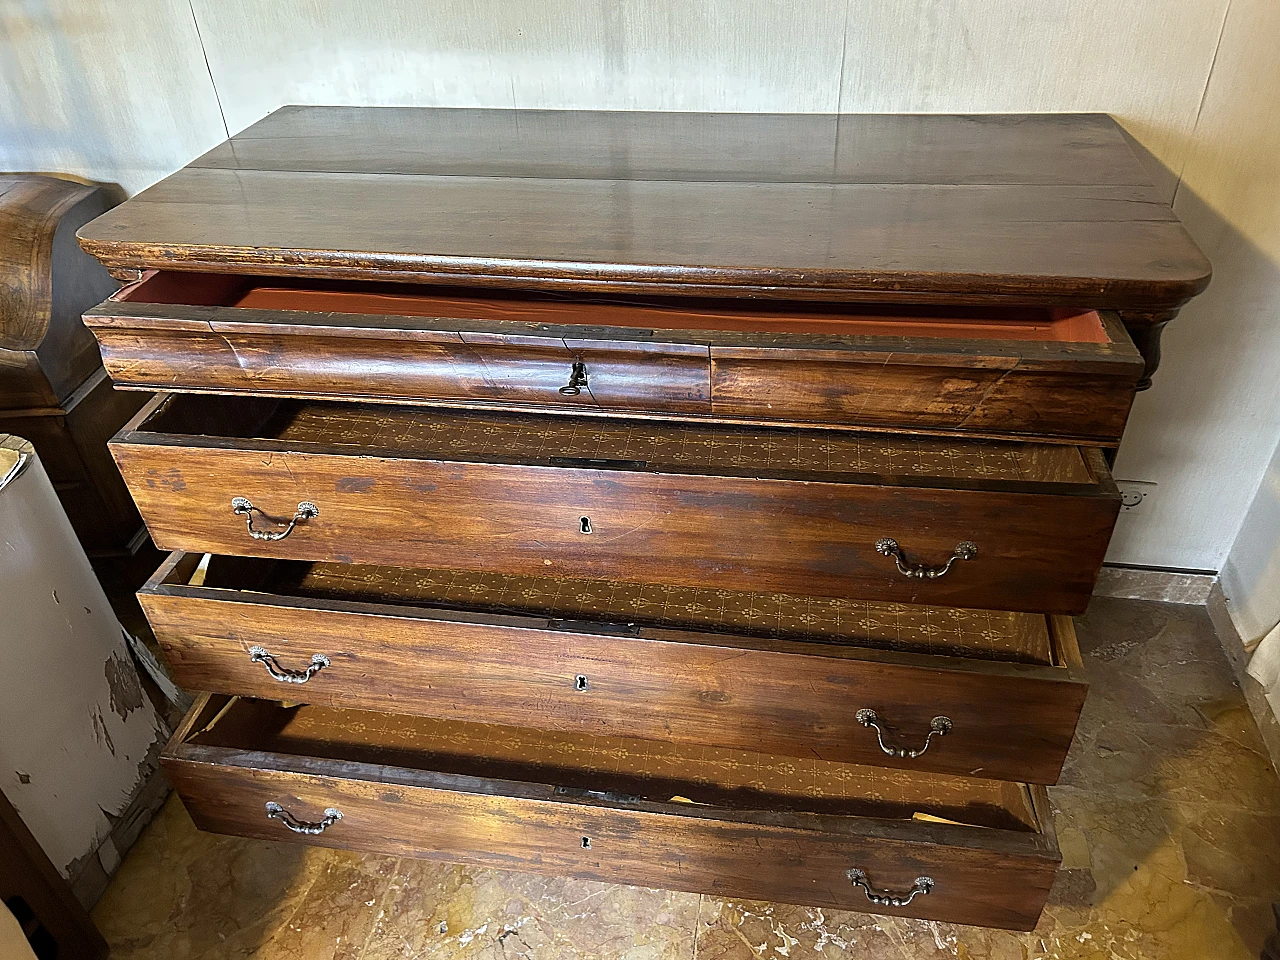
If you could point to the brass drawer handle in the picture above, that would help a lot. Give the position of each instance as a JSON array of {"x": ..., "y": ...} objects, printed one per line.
[
  {"x": 577, "y": 379},
  {"x": 884, "y": 898},
  {"x": 331, "y": 816},
  {"x": 965, "y": 550},
  {"x": 243, "y": 508},
  {"x": 260, "y": 655},
  {"x": 938, "y": 727}
]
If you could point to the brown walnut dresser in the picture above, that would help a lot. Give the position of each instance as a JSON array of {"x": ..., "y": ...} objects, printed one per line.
[{"x": 694, "y": 501}]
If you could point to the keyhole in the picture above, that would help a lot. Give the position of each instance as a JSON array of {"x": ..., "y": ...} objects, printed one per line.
[
  {"x": 584, "y": 524},
  {"x": 580, "y": 682},
  {"x": 586, "y": 843}
]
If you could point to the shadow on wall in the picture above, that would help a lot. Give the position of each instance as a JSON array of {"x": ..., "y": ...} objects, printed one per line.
[{"x": 1207, "y": 428}]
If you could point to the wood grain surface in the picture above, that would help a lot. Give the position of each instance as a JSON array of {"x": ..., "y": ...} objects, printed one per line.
[
  {"x": 73, "y": 450},
  {"x": 46, "y": 281},
  {"x": 759, "y": 840},
  {"x": 52, "y": 920},
  {"x": 618, "y": 204},
  {"x": 794, "y": 336},
  {"x": 599, "y": 664},
  {"x": 406, "y": 484},
  {"x": 645, "y": 145},
  {"x": 53, "y": 390},
  {"x": 986, "y": 371}
]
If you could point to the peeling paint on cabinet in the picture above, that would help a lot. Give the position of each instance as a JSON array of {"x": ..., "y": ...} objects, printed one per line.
[{"x": 80, "y": 737}]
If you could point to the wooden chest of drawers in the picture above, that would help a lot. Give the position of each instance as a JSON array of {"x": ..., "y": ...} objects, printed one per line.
[{"x": 692, "y": 501}]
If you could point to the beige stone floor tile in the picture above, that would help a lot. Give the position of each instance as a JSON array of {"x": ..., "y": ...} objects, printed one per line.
[
  {"x": 183, "y": 895},
  {"x": 1168, "y": 816},
  {"x": 1149, "y": 916},
  {"x": 439, "y": 910},
  {"x": 1253, "y": 920},
  {"x": 336, "y": 915},
  {"x": 728, "y": 930}
]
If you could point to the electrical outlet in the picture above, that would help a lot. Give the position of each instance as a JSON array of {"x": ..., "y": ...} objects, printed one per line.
[{"x": 1134, "y": 495}]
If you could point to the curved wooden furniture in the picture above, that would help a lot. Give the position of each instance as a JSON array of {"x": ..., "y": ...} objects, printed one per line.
[{"x": 53, "y": 390}]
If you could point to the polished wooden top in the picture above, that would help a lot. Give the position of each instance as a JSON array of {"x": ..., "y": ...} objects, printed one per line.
[{"x": 1031, "y": 209}]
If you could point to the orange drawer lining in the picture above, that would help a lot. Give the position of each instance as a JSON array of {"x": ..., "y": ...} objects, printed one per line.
[{"x": 989, "y": 323}]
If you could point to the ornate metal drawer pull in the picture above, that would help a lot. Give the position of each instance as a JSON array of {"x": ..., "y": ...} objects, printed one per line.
[
  {"x": 965, "y": 550},
  {"x": 577, "y": 379},
  {"x": 259, "y": 655},
  {"x": 938, "y": 727},
  {"x": 883, "y": 898},
  {"x": 276, "y": 812},
  {"x": 243, "y": 508}
]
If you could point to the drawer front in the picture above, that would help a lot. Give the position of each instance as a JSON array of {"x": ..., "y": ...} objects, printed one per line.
[
  {"x": 990, "y": 395},
  {"x": 413, "y": 366},
  {"x": 1034, "y": 551},
  {"x": 1003, "y": 721},
  {"x": 991, "y": 877},
  {"x": 645, "y": 377},
  {"x": 693, "y": 853},
  {"x": 858, "y": 367}
]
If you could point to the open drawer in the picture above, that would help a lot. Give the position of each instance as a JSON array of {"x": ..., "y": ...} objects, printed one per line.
[
  {"x": 969, "y": 692},
  {"x": 1031, "y": 371},
  {"x": 728, "y": 824},
  {"x": 966, "y": 523}
]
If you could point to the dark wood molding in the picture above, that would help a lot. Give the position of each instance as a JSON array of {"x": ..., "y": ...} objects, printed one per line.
[
  {"x": 1031, "y": 209},
  {"x": 53, "y": 389},
  {"x": 1145, "y": 328}
]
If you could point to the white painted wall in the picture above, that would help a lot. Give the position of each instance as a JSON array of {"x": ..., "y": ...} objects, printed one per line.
[
  {"x": 1251, "y": 582},
  {"x": 1207, "y": 428},
  {"x": 1234, "y": 182},
  {"x": 1251, "y": 574},
  {"x": 128, "y": 96},
  {"x": 108, "y": 91}
]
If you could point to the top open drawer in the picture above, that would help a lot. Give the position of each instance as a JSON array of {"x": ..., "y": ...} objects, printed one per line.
[{"x": 984, "y": 371}]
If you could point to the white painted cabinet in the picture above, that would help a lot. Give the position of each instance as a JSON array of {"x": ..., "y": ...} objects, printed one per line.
[{"x": 77, "y": 732}]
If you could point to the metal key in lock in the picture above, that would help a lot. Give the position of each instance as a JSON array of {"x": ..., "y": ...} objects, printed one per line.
[{"x": 577, "y": 380}]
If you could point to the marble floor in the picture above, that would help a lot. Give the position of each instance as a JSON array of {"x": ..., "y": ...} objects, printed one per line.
[{"x": 1168, "y": 815}]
